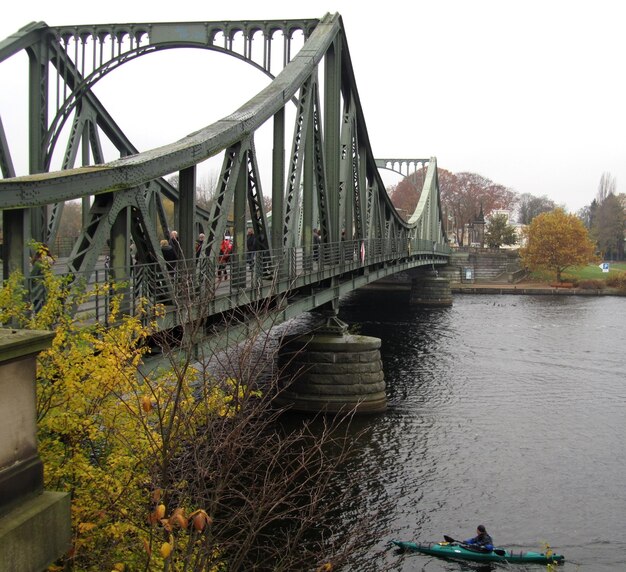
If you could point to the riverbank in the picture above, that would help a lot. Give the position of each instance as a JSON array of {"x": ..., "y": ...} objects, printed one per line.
[{"x": 529, "y": 288}]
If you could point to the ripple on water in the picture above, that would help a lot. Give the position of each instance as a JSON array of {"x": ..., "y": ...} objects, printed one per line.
[{"x": 507, "y": 410}]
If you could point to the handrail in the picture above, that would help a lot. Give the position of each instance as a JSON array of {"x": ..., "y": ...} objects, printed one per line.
[{"x": 239, "y": 280}]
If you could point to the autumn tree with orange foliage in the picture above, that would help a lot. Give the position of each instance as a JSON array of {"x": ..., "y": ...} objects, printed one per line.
[
  {"x": 556, "y": 241},
  {"x": 463, "y": 195},
  {"x": 405, "y": 195}
]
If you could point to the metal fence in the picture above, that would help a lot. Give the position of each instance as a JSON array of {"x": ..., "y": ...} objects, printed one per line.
[{"x": 206, "y": 280}]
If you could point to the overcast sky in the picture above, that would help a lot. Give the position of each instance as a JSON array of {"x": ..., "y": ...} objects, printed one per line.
[{"x": 531, "y": 94}]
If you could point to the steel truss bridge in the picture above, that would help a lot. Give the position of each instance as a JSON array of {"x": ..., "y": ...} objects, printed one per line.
[{"x": 324, "y": 175}]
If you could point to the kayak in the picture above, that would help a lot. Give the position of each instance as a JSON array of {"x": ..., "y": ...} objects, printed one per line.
[{"x": 457, "y": 551}]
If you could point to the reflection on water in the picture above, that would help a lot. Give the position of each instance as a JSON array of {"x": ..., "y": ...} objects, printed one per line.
[{"x": 503, "y": 410}]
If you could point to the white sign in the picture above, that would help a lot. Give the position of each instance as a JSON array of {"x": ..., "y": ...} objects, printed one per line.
[{"x": 604, "y": 266}]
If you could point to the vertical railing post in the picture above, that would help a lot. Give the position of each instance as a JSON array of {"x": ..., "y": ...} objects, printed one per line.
[
  {"x": 186, "y": 232},
  {"x": 119, "y": 258},
  {"x": 308, "y": 189}
]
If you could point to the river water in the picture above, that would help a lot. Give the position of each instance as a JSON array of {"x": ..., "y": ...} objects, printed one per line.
[{"x": 504, "y": 410}]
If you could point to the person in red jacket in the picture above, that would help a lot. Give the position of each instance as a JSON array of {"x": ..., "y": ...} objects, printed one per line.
[{"x": 223, "y": 259}]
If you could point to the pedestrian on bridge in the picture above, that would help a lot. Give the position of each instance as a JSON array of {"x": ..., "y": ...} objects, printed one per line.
[
  {"x": 251, "y": 248},
  {"x": 223, "y": 259},
  {"x": 169, "y": 255},
  {"x": 317, "y": 240},
  {"x": 175, "y": 244},
  {"x": 199, "y": 243}
]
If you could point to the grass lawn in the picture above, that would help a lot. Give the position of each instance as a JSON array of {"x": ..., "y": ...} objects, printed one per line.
[{"x": 591, "y": 272}]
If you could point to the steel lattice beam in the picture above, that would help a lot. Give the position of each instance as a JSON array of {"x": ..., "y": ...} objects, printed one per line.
[{"x": 332, "y": 178}]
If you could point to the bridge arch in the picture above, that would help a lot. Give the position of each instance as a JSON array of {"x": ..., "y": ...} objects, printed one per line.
[{"x": 62, "y": 39}]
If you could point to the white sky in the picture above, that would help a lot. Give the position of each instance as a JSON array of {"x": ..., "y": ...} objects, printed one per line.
[{"x": 531, "y": 94}]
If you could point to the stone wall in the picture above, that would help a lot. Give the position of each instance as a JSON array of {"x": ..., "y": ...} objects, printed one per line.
[{"x": 486, "y": 265}]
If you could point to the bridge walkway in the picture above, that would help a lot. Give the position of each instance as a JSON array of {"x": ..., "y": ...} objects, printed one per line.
[{"x": 299, "y": 280}]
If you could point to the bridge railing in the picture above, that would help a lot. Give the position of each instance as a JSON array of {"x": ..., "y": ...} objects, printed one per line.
[{"x": 204, "y": 281}]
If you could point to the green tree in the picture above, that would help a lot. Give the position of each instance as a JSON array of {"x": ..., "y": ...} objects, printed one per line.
[
  {"x": 587, "y": 213},
  {"x": 556, "y": 241},
  {"x": 499, "y": 232}
]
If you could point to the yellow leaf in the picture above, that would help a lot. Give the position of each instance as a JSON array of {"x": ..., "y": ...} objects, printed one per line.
[
  {"x": 166, "y": 550},
  {"x": 86, "y": 526},
  {"x": 146, "y": 404},
  {"x": 160, "y": 511}
]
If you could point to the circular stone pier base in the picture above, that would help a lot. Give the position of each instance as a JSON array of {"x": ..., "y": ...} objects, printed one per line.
[
  {"x": 430, "y": 291},
  {"x": 332, "y": 372}
]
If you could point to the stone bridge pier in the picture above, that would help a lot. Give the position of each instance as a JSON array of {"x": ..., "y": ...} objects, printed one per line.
[
  {"x": 35, "y": 526},
  {"x": 428, "y": 288},
  {"x": 330, "y": 370}
]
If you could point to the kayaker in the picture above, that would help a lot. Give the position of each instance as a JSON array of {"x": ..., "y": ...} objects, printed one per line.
[{"x": 482, "y": 539}]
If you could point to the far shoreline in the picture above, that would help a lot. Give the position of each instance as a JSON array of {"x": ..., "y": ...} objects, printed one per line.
[{"x": 530, "y": 288}]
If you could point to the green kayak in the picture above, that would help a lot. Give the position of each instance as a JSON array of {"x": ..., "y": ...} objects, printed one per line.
[{"x": 459, "y": 552}]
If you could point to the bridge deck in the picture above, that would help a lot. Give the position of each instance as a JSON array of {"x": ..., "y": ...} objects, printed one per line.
[{"x": 201, "y": 288}]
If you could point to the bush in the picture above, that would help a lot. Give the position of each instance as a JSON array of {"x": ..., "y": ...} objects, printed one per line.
[
  {"x": 186, "y": 467},
  {"x": 572, "y": 284},
  {"x": 617, "y": 281},
  {"x": 591, "y": 284}
]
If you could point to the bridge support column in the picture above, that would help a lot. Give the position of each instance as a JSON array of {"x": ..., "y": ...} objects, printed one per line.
[
  {"x": 430, "y": 290},
  {"x": 332, "y": 371}
]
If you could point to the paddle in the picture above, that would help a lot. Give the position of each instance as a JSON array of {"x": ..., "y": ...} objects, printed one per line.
[{"x": 447, "y": 538}]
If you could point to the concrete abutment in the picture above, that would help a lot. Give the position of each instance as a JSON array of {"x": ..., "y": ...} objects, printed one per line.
[{"x": 35, "y": 527}]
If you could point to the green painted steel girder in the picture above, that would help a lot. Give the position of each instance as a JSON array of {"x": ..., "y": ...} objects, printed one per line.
[{"x": 332, "y": 176}]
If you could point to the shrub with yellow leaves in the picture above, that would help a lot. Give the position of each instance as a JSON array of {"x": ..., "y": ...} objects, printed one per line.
[
  {"x": 167, "y": 465},
  {"x": 105, "y": 432}
]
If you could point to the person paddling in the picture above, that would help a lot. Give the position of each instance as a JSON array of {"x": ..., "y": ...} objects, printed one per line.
[{"x": 481, "y": 540}]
